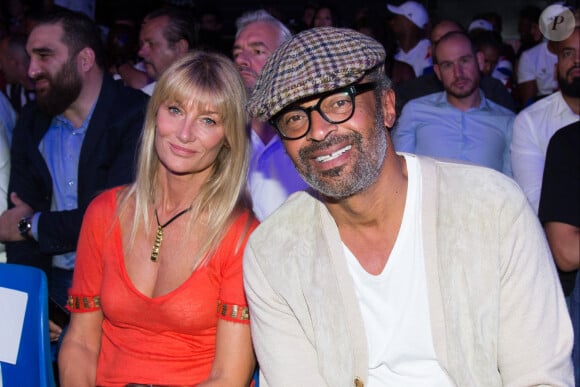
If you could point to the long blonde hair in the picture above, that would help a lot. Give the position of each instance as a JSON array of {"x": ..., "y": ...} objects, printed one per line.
[{"x": 203, "y": 79}]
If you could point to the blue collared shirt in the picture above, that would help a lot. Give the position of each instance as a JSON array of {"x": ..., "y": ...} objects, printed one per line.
[
  {"x": 61, "y": 149},
  {"x": 431, "y": 126}
]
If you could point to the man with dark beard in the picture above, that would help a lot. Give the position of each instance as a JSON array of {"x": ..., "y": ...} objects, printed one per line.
[
  {"x": 77, "y": 139},
  {"x": 535, "y": 125},
  {"x": 402, "y": 270},
  {"x": 459, "y": 123},
  {"x": 545, "y": 161}
]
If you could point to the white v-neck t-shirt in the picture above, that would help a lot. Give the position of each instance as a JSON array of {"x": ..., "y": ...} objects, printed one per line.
[{"x": 395, "y": 307}]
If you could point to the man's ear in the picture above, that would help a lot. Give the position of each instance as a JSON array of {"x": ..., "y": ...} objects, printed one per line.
[
  {"x": 535, "y": 31},
  {"x": 86, "y": 59},
  {"x": 388, "y": 106},
  {"x": 182, "y": 46},
  {"x": 437, "y": 71},
  {"x": 480, "y": 60}
]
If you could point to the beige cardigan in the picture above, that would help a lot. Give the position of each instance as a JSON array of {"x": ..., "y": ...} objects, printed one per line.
[{"x": 497, "y": 310}]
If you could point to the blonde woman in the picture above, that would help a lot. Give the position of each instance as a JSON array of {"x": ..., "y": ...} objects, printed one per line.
[{"x": 157, "y": 295}]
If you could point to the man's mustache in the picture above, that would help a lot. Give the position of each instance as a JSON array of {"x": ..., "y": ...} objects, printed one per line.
[
  {"x": 246, "y": 69},
  {"x": 575, "y": 67},
  {"x": 307, "y": 151}
]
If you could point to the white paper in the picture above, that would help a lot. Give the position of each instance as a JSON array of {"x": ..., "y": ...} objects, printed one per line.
[{"x": 12, "y": 310}]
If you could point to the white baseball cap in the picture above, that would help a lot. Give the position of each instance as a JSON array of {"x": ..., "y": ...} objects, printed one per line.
[
  {"x": 480, "y": 24},
  {"x": 412, "y": 11}
]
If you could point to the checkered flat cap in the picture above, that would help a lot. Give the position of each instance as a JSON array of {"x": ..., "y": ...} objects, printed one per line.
[{"x": 312, "y": 62}]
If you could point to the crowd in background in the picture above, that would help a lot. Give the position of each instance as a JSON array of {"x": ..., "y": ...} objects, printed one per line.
[{"x": 120, "y": 24}]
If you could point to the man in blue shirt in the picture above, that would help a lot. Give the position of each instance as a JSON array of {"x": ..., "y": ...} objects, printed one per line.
[
  {"x": 460, "y": 122},
  {"x": 77, "y": 139}
]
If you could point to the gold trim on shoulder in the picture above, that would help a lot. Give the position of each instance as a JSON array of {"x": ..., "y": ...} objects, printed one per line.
[
  {"x": 83, "y": 303},
  {"x": 233, "y": 312}
]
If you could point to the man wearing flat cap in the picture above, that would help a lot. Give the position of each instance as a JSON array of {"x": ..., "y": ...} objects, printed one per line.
[{"x": 402, "y": 270}]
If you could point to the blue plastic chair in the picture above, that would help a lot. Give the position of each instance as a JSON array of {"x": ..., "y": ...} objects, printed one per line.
[
  {"x": 34, "y": 362},
  {"x": 256, "y": 377}
]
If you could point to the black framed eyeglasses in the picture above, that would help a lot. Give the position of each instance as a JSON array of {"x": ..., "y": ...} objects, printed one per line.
[{"x": 336, "y": 107}]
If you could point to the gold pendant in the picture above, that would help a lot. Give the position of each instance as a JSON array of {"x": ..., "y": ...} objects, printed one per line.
[{"x": 157, "y": 244}]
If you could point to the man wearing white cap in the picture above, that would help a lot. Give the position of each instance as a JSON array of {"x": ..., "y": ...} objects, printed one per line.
[
  {"x": 536, "y": 67},
  {"x": 408, "y": 24},
  {"x": 480, "y": 24}
]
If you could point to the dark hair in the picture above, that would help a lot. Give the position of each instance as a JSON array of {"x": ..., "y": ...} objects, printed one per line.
[
  {"x": 531, "y": 13},
  {"x": 336, "y": 18},
  {"x": 122, "y": 44},
  {"x": 448, "y": 36},
  {"x": 491, "y": 17},
  {"x": 17, "y": 42},
  {"x": 180, "y": 25},
  {"x": 435, "y": 25},
  {"x": 210, "y": 10},
  {"x": 482, "y": 38},
  {"x": 79, "y": 32}
]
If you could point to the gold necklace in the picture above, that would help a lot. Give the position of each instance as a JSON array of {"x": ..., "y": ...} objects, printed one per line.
[{"x": 159, "y": 233}]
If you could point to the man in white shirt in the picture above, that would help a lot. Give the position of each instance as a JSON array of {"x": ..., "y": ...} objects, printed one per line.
[
  {"x": 7, "y": 122},
  {"x": 14, "y": 66},
  {"x": 272, "y": 176},
  {"x": 408, "y": 24},
  {"x": 8, "y": 117},
  {"x": 535, "y": 125},
  {"x": 536, "y": 73},
  {"x": 4, "y": 177}
]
